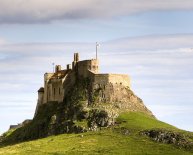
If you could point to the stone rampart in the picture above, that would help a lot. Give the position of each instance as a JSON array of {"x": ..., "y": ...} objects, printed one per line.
[{"x": 103, "y": 79}]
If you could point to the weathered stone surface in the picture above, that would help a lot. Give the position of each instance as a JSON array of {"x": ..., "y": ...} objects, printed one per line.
[
  {"x": 25, "y": 122},
  {"x": 169, "y": 137},
  {"x": 117, "y": 98},
  {"x": 125, "y": 131},
  {"x": 98, "y": 118}
]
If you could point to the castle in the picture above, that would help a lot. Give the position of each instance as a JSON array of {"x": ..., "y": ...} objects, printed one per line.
[{"x": 58, "y": 83}]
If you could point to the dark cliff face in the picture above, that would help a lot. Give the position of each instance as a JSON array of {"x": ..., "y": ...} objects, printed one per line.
[{"x": 83, "y": 109}]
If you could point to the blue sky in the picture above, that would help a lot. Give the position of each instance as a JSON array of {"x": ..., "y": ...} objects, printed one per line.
[{"x": 150, "y": 40}]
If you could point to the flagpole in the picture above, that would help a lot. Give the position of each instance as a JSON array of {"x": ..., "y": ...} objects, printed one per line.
[
  {"x": 53, "y": 64},
  {"x": 96, "y": 51}
]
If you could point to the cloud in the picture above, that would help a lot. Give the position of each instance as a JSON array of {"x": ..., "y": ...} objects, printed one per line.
[
  {"x": 43, "y": 11},
  {"x": 163, "y": 59},
  {"x": 2, "y": 41},
  {"x": 175, "y": 115},
  {"x": 154, "y": 42},
  {"x": 169, "y": 110},
  {"x": 148, "y": 43},
  {"x": 161, "y": 50}
]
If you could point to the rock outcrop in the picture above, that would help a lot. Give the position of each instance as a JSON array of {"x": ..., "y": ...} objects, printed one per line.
[{"x": 169, "y": 137}]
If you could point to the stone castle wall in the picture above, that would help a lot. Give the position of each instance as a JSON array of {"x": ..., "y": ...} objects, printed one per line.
[
  {"x": 47, "y": 77},
  {"x": 55, "y": 90},
  {"x": 104, "y": 79}
]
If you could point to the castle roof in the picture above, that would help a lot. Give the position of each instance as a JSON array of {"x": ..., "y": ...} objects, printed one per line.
[
  {"x": 41, "y": 89},
  {"x": 60, "y": 74}
]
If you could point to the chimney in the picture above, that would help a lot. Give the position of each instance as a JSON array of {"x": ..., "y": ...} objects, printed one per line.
[
  {"x": 76, "y": 59},
  {"x": 57, "y": 68},
  {"x": 68, "y": 67}
]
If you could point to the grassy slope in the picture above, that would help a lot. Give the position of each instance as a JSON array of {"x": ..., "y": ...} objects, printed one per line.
[{"x": 105, "y": 141}]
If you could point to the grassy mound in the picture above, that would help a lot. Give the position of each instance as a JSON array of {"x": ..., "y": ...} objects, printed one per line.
[{"x": 123, "y": 138}]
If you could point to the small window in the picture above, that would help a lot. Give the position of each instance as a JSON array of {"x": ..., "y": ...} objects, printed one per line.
[
  {"x": 49, "y": 94},
  {"x": 103, "y": 95}
]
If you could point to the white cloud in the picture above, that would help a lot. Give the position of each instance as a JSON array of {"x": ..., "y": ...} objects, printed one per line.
[
  {"x": 33, "y": 11},
  {"x": 2, "y": 41},
  {"x": 177, "y": 115},
  {"x": 163, "y": 43},
  {"x": 163, "y": 111},
  {"x": 154, "y": 42}
]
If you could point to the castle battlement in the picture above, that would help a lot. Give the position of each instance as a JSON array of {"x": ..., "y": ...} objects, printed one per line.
[{"x": 103, "y": 79}]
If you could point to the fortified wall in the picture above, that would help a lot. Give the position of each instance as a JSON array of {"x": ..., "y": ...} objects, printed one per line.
[{"x": 104, "y": 79}]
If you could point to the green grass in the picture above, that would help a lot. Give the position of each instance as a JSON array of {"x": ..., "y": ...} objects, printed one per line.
[
  {"x": 139, "y": 121},
  {"x": 9, "y": 132},
  {"x": 105, "y": 141},
  {"x": 82, "y": 123}
]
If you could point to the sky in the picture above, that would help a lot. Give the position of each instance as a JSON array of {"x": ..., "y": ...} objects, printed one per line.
[{"x": 150, "y": 40}]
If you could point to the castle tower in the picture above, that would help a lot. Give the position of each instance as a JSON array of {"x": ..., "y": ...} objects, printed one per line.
[
  {"x": 57, "y": 68},
  {"x": 86, "y": 66},
  {"x": 94, "y": 66},
  {"x": 76, "y": 59},
  {"x": 47, "y": 77},
  {"x": 40, "y": 99},
  {"x": 68, "y": 66},
  {"x": 40, "y": 95}
]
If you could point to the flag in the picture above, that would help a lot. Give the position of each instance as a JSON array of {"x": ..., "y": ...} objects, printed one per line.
[{"x": 97, "y": 44}]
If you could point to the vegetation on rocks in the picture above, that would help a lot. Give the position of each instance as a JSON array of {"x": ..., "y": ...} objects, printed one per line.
[
  {"x": 54, "y": 118},
  {"x": 97, "y": 118}
]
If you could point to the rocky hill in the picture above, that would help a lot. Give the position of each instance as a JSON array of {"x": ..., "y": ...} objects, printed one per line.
[
  {"x": 82, "y": 110},
  {"x": 134, "y": 133}
]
